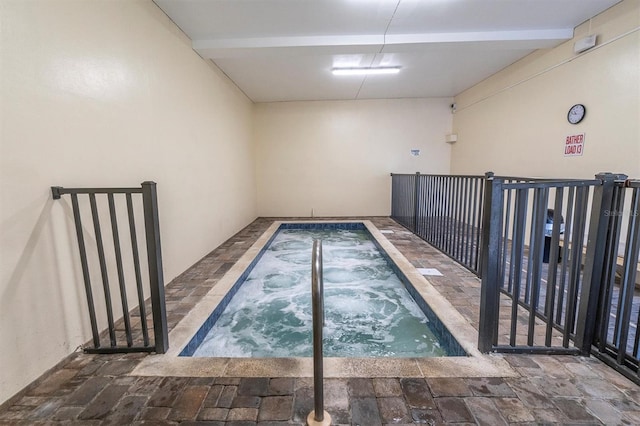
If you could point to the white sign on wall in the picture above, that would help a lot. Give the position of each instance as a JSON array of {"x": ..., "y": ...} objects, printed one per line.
[{"x": 574, "y": 145}]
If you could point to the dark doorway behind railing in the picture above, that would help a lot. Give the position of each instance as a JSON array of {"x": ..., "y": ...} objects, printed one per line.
[
  {"x": 105, "y": 252},
  {"x": 558, "y": 259}
]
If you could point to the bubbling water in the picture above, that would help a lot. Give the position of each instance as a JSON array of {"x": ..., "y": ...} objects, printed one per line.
[{"x": 368, "y": 312}]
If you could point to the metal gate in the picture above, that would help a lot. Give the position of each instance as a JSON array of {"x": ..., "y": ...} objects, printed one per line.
[
  {"x": 558, "y": 258},
  {"x": 102, "y": 256}
]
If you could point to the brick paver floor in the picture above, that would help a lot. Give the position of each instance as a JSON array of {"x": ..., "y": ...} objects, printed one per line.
[{"x": 98, "y": 389}]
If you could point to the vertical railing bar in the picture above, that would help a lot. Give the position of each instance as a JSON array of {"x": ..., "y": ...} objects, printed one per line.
[
  {"x": 424, "y": 200},
  {"x": 490, "y": 290},
  {"x": 449, "y": 205},
  {"x": 629, "y": 268},
  {"x": 452, "y": 214},
  {"x": 567, "y": 254},
  {"x": 418, "y": 208},
  {"x": 442, "y": 230},
  {"x": 553, "y": 264},
  {"x": 609, "y": 271},
  {"x": 540, "y": 214},
  {"x": 480, "y": 223},
  {"x": 475, "y": 225},
  {"x": 393, "y": 195},
  {"x": 416, "y": 195},
  {"x": 532, "y": 235},
  {"x": 406, "y": 206},
  {"x": 611, "y": 254},
  {"x": 438, "y": 230},
  {"x": 512, "y": 265},
  {"x": 460, "y": 224},
  {"x": 154, "y": 261},
  {"x": 505, "y": 243},
  {"x": 400, "y": 199},
  {"x": 604, "y": 318},
  {"x": 85, "y": 270},
  {"x": 611, "y": 261},
  {"x": 443, "y": 215},
  {"x": 136, "y": 266},
  {"x": 103, "y": 267},
  {"x": 518, "y": 242},
  {"x": 472, "y": 219},
  {"x": 121, "y": 283},
  {"x": 398, "y": 188},
  {"x": 636, "y": 344},
  {"x": 429, "y": 212},
  {"x": 457, "y": 221},
  {"x": 467, "y": 213},
  {"x": 437, "y": 217},
  {"x": 404, "y": 200},
  {"x": 411, "y": 205},
  {"x": 635, "y": 216},
  {"x": 575, "y": 264},
  {"x": 426, "y": 205}
]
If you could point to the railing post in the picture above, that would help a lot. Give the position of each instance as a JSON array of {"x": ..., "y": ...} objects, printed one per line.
[
  {"x": 154, "y": 256},
  {"x": 491, "y": 237},
  {"x": 594, "y": 261},
  {"x": 488, "y": 178},
  {"x": 416, "y": 208}
]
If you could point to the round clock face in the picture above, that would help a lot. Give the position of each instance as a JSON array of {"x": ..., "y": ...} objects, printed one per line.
[{"x": 576, "y": 113}]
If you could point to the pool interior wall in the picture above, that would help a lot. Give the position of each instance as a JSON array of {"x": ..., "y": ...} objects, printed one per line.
[{"x": 451, "y": 346}]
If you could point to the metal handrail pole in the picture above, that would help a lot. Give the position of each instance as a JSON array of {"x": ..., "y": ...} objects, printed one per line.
[{"x": 318, "y": 319}]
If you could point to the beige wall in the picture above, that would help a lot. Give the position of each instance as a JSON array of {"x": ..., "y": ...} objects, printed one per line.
[
  {"x": 334, "y": 158},
  {"x": 104, "y": 93},
  {"x": 515, "y": 122}
]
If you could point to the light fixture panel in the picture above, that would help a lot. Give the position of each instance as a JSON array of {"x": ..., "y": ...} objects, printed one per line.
[{"x": 366, "y": 71}]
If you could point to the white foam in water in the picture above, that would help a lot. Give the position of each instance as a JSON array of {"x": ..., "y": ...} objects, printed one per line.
[{"x": 368, "y": 312}]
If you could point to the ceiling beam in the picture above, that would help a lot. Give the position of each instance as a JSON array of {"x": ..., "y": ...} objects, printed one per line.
[{"x": 363, "y": 44}]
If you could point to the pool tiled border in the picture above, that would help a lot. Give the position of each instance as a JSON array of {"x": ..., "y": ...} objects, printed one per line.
[
  {"x": 473, "y": 365},
  {"x": 443, "y": 335}
]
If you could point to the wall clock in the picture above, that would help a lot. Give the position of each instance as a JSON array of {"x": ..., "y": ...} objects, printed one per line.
[{"x": 576, "y": 113}]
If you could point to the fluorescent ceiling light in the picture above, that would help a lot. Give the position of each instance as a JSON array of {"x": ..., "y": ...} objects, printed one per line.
[{"x": 366, "y": 71}]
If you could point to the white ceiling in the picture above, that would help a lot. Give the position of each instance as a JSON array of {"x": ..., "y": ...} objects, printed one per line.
[{"x": 284, "y": 50}]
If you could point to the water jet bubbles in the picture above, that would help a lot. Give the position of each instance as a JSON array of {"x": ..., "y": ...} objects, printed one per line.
[
  {"x": 365, "y": 303},
  {"x": 290, "y": 245},
  {"x": 281, "y": 280}
]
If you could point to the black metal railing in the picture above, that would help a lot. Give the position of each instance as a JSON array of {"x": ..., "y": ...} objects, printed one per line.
[
  {"x": 558, "y": 259},
  {"x": 536, "y": 266},
  {"x": 104, "y": 256},
  {"x": 616, "y": 340},
  {"x": 560, "y": 280},
  {"x": 445, "y": 211}
]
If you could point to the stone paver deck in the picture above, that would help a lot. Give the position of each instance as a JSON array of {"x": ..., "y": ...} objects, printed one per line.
[{"x": 99, "y": 389}]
